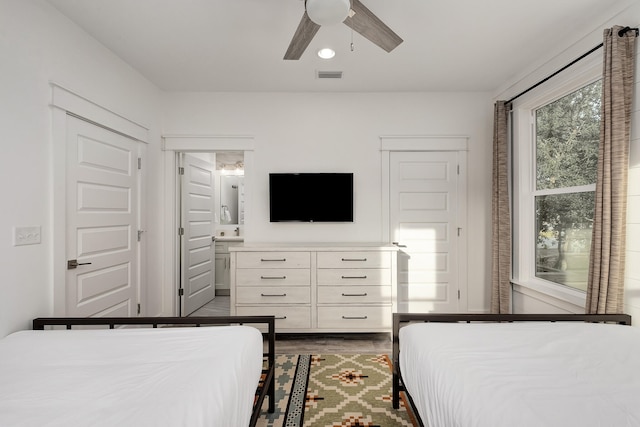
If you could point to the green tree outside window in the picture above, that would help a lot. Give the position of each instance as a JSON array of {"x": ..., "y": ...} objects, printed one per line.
[{"x": 567, "y": 138}]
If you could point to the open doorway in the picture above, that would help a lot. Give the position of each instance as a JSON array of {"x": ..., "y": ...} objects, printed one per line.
[
  {"x": 172, "y": 145},
  {"x": 210, "y": 207}
]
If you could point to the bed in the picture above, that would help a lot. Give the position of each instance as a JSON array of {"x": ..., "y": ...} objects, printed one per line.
[
  {"x": 486, "y": 370},
  {"x": 160, "y": 371}
]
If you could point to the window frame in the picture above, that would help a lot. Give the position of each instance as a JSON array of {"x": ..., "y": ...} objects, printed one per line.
[{"x": 523, "y": 144}]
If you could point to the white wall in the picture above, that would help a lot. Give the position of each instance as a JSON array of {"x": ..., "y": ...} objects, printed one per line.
[
  {"x": 627, "y": 13},
  {"x": 305, "y": 132},
  {"x": 39, "y": 46},
  {"x": 340, "y": 132}
]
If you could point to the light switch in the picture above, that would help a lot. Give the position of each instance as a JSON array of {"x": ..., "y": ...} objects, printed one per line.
[{"x": 26, "y": 235}]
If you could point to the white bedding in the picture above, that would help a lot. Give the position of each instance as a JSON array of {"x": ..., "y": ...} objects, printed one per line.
[
  {"x": 130, "y": 377},
  {"x": 522, "y": 374}
]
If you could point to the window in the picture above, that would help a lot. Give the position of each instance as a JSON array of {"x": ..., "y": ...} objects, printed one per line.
[{"x": 566, "y": 137}]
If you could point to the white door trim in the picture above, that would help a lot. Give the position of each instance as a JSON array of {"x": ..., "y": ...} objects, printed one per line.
[
  {"x": 424, "y": 143},
  {"x": 65, "y": 102},
  {"x": 460, "y": 144},
  {"x": 88, "y": 110},
  {"x": 171, "y": 145},
  {"x": 186, "y": 143}
]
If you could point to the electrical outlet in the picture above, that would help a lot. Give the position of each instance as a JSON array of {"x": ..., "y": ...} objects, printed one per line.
[{"x": 26, "y": 235}]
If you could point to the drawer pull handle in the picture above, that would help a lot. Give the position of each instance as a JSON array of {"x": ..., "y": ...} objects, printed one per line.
[
  {"x": 354, "y": 295},
  {"x": 273, "y": 277},
  {"x": 354, "y": 317},
  {"x": 281, "y": 318},
  {"x": 273, "y": 295},
  {"x": 273, "y": 260},
  {"x": 354, "y": 277},
  {"x": 354, "y": 259}
]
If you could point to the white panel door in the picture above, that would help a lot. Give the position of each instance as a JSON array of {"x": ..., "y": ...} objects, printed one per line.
[
  {"x": 102, "y": 222},
  {"x": 423, "y": 220},
  {"x": 198, "y": 251}
]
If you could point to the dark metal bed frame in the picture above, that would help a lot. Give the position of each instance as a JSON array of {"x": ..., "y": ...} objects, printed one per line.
[
  {"x": 401, "y": 319},
  {"x": 267, "y": 383}
]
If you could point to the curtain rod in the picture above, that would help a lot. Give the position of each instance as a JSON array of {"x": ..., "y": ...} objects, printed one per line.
[{"x": 621, "y": 33}]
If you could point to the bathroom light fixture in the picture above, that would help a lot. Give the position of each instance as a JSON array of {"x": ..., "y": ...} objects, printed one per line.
[
  {"x": 326, "y": 53},
  {"x": 327, "y": 12},
  {"x": 236, "y": 168}
]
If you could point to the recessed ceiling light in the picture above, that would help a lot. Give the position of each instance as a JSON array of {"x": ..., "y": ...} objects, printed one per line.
[{"x": 326, "y": 53}]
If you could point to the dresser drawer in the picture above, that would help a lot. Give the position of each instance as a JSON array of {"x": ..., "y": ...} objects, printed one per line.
[
  {"x": 354, "y": 276},
  {"x": 273, "y": 277},
  {"x": 359, "y": 259},
  {"x": 273, "y": 259},
  {"x": 287, "y": 317},
  {"x": 354, "y": 295},
  {"x": 354, "y": 317},
  {"x": 273, "y": 295}
]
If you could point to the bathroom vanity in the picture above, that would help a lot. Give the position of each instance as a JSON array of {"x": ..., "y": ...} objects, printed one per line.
[{"x": 223, "y": 262}]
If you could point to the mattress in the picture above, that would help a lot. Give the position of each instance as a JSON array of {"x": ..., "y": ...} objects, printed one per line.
[
  {"x": 130, "y": 377},
  {"x": 522, "y": 374}
]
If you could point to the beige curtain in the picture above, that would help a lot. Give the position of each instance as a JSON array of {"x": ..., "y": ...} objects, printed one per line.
[
  {"x": 500, "y": 215},
  {"x": 605, "y": 288}
]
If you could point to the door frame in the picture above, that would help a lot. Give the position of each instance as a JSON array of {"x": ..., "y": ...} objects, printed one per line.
[
  {"x": 459, "y": 144},
  {"x": 65, "y": 103},
  {"x": 172, "y": 145}
]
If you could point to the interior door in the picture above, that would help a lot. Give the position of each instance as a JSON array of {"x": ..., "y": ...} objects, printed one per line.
[
  {"x": 424, "y": 221},
  {"x": 102, "y": 222},
  {"x": 197, "y": 265}
]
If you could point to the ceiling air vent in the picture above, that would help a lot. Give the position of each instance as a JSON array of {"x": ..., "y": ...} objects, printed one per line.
[{"x": 329, "y": 74}]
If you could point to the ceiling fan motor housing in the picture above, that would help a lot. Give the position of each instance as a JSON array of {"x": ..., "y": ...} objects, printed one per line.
[{"x": 327, "y": 12}]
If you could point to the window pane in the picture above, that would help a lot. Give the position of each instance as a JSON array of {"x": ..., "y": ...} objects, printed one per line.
[
  {"x": 567, "y": 138},
  {"x": 563, "y": 226}
]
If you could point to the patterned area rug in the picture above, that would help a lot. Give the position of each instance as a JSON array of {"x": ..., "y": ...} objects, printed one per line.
[{"x": 334, "y": 390}]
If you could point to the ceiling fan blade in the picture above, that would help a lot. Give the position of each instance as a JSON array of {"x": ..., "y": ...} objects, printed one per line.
[
  {"x": 302, "y": 37},
  {"x": 364, "y": 22}
]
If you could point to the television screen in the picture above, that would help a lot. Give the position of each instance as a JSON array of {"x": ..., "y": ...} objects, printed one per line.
[{"x": 311, "y": 197}]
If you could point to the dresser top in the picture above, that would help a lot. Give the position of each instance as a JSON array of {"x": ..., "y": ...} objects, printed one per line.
[{"x": 307, "y": 246}]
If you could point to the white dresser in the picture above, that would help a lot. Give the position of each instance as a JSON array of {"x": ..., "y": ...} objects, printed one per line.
[{"x": 316, "y": 287}]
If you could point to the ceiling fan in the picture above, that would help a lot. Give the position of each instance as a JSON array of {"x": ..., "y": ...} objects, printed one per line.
[{"x": 352, "y": 13}]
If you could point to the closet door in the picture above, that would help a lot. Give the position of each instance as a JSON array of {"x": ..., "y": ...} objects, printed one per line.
[
  {"x": 102, "y": 180},
  {"x": 424, "y": 222}
]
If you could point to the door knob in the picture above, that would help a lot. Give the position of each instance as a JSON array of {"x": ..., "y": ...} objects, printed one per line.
[{"x": 73, "y": 263}]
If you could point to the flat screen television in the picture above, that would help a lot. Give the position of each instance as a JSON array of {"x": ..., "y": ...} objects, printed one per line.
[{"x": 311, "y": 197}]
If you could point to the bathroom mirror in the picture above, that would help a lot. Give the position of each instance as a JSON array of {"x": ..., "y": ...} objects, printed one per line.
[
  {"x": 230, "y": 166},
  {"x": 231, "y": 192}
]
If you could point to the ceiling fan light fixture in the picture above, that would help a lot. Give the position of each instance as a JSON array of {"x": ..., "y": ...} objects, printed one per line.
[
  {"x": 326, "y": 53},
  {"x": 328, "y": 12}
]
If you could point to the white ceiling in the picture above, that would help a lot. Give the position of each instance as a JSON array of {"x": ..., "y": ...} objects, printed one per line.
[{"x": 238, "y": 45}]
